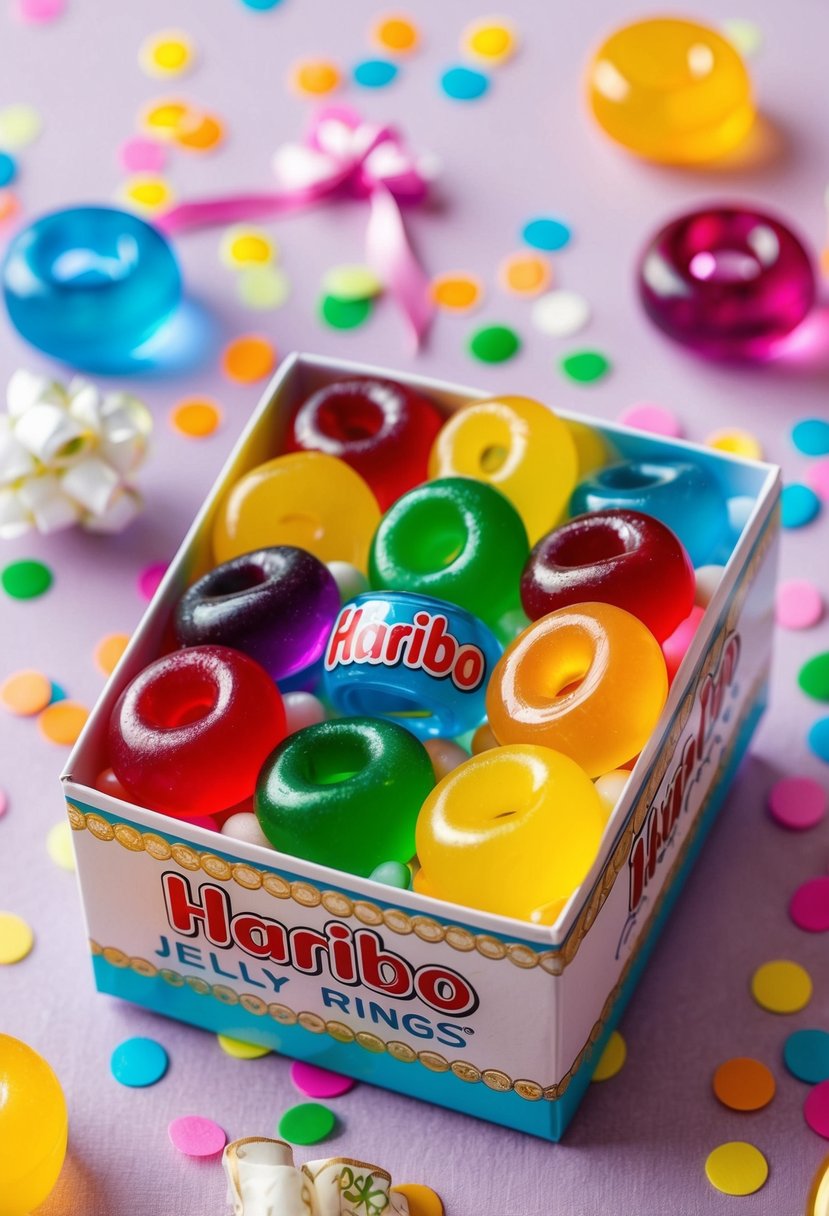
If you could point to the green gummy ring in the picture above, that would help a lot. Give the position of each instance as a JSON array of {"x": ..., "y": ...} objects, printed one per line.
[
  {"x": 494, "y": 343},
  {"x": 26, "y": 579},
  {"x": 307, "y": 1123},
  {"x": 344, "y": 314}
]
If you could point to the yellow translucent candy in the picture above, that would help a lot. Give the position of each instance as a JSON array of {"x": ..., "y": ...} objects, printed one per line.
[
  {"x": 512, "y": 830},
  {"x": 307, "y": 499},
  {"x": 516, "y": 445},
  {"x": 671, "y": 90},
  {"x": 33, "y": 1128}
]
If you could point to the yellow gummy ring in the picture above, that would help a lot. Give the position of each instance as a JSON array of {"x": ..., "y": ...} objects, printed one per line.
[
  {"x": 491, "y": 39},
  {"x": 525, "y": 274},
  {"x": 63, "y": 722},
  {"x": 109, "y": 650},
  {"x": 25, "y": 692},
  {"x": 314, "y": 77},
  {"x": 195, "y": 417},
  {"x": 168, "y": 53},
  {"x": 16, "y": 938},
  {"x": 612, "y": 1059},
  {"x": 781, "y": 986},
  {"x": 456, "y": 291},
  {"x": 396, "y": 34}
]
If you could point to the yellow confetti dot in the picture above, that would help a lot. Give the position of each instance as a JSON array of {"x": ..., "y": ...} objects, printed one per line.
[
  {"x": 351, "y": 283},
  {"x": 16, "y": 938},
  {"x": 240, "y": 1050},
  {"x": 457, "y": 292},
  {"x": 248, "y": 358},
  {"x": 195, "y": 418},
  {"x": 736, "y": 1168},
  {"x": 491, "y": 39},
  {"x": 109, "y": 650},
  {"x": 169, "y": 53},
  {"x": 63, "y": 722},
  {"x": 148, "y": 193},
  {"x": 263, "y": 287},
  {"x": 818, "y": 1202},
  {"x": 164, "y": 118},
  {"x": 20, "y": 125},
  {"x": 59, "y": 846},
  {"x": 314, "y": 77},
  {"x": 612, "y": 1059},
  {"x": 242, "y": 246},
  {"x": 781, "y": 986},
  {"x": 422, "y": 1200},
  {"x": 525, "y": 274},
  {"x": 25, "y": 692},
  {"x": 396, "y": 34},
  {"x": 203, "y": 134},
  {"x": 736, "y": 443}
]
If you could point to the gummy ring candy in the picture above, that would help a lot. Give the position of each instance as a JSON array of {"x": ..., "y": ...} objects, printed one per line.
[
  {"x": 306, "y": 499},
  {"x": 727, "y": 281},
  {"x": 277, "y": 605},
  {"x": 326, "y": 791},
  {"x": 382, "y": 429},
  {"x": 509, "y": 831},
  {"x": 455, "y": 539},
  {"x": 90, "y": 285},
  {"x": 517, "y": 445},
  {"x": 589, "y": 681},
  {"x": 410, "y": 659},
  {"x": 612, "y": 557},
  {"x": 189, "y": 735},
  {"x": 33, "y": 1127}
]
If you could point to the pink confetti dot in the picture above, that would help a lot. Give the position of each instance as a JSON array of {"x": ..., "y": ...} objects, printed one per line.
[
  {"x": 797, "y": 802},
  {"x": 196, "y": 1136},
  {"x": 798, "y": 604},
  {"x": 319, "y": 1082},
  {"x": 677, "y": 645},
  {"x": 809, "y": 906},
  {"x": 816, "y": 1109},
  {"x": 138, "y": 154},
  {"x": 4, "y": 802},
  {"x": 818, "y": 477},
  {"x": 40, "y": 12},
  {"x": 653, "y": 418},
  {"x": 149, "y": 579}
]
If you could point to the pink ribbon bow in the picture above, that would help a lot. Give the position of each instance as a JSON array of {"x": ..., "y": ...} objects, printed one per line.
[{"x": 343, "y": 156}]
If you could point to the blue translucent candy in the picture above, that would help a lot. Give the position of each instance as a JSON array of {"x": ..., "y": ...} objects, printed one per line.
[
  {"x": 682, "y": 495},
  {"x": 90, "y": 285},
  {"x": 411, "y": 659}
]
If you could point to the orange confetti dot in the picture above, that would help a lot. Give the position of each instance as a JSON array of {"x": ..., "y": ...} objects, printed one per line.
[
  {"x": 525, "y": 274},
  {"x": 25, "y": 692},
  {"x": 744, "y": 1084},
  {"x": 315, "y": 77},
  {"x": 9, "y": 205},
  {"x": 109, "y": 651},
  {"x": 205, "y": 133},
  {"x": 63, "y": 722},
  {"x": 396, "y": 34},
  {"x": 195, "y": 418},
  {"x": 824, "y": 260},
  {"x": 248, "y": 358},
  {"x": 457, "y": 292}
]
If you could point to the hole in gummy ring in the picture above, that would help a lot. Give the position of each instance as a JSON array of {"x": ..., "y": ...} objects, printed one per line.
[
  {"x": 350, "y": 419},
  {"x": 586, "y": 546},
  {"x": 624, "y": 477},
  {"x": 493, "y": 458},
  {"x": 228, "y": 583},
  {"x": 178, "y": 698}
]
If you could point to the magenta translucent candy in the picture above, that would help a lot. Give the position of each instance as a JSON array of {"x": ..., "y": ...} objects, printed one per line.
[{"x": 727, "y": 282}]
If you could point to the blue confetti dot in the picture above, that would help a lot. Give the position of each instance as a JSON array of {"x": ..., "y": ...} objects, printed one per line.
[
  {"x": 806, "y": 1055},
  {"x": 811, "y": 437},
  {"x": 818, "y": 739},
  {"x": 464, "y": 84},
  {"x": 799, "y": 505},
  {"x": 546, "y": 233},
  {"x": 261, "y": 6},
  {"x": 58, "y": 693},
  {"x": 374, "y": 73},
  {"x": 8, "y": 169},
  {"x": 139, "y": 1062}
]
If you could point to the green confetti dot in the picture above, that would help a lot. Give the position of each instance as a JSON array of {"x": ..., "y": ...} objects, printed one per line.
[
  {"x": 813, "y": 677},
  {"x": 344, "y": 314},
  {"x": 25, "y": 580},
  {"x": 494, "y": 343},
  {"x": 351, "y": 283},
  {"x": 307, "y": 1123},
  {"x": 585, "y": 366}
]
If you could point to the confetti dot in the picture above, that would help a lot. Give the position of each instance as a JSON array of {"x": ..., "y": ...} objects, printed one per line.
[
  {"x": 811, "y": 437},
  {"x": 8, "y": 169},
  {"x": 241, "y": 246},
  {"x": 195, "y": 418},
  {"x": 781, "y": 986},
  {"x": 464, "y": 84},
  {"x": 491, "y": 40},
  {"x": 58, "y": 693},
  {"x": 196, "y": 1136},
  {"x": 59, "y": 846},
  {"x": 263, "y": 287},
  {"x": 560, "y": 314},
  {"x": 797, "y": 803},
  {"x": 806, "y": 1055},
  {"x": 799, "y": 505},
  {"x": 147, "y": 192},
  {"x": 809, "y": 906},
  {"x": 62, "y": 722},
  {"x": 204, "y": 133},
  {"x": 26, "y": 579},
  {"x": 745, "y": 35},
  {"x": 248, "y": 358},
  {"x": 139, "y": 1062},
  {"x": 344, "y": 314},
  {"x": 736, "y": 1168},
  {"x": 813, "y": 677},
  {"x": 109, "y": 650},
  {"x": 396, "y": 34},
  {"x": 315, "y": 77},
  {"x": 546, "y": 233},
  {"x": 798, "y": 604},
  {"x": 261, "y": 6},
  {"x": 140, "y": 154},
  {"x": 351, "y": 283},
  {"x": 169, "y": 53},
  {"x": 4, "y": 802},
  {"x": 16, "y": 938},
  {"x": 150, "y": 578},
  {"x": 25, "y": 692},
  {"x": 374, "y": 73},
  {"x": 242, "y": 1051},
  {"x": 308, "y": 1123},
  {"x": 20, "y": 126},
  {"x": 9, "y": 205},
  {"x": 422, "y": 1200},
  {"x": 816, "y": 1109},
  {"x": 585, "y": 366},
  {"x": 736, "y": 443},
  {"x": 818, "y": 739},
  {"x": 655, "y": 419},
  {"x": 744, "y": 1084},
  {"x": 165, "y": 118},
  {"x": 494, "y": 344},
  {"x": 40, "y": 12},
  {"x": 525, "y": 274},
  {"x": 319, "y": 1082},
  {"x": 818, "y": 476},
  {"x": 456, "y": 292},
  {"x": 612, "y": 1059}
]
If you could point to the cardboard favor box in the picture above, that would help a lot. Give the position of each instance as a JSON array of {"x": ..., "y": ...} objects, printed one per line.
[{"x": 494, "y": 1017}]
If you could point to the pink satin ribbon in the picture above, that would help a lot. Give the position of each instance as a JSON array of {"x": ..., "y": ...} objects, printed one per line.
[{"x": 341, "y": 157}]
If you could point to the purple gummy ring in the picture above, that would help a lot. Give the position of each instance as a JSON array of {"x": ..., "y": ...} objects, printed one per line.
[
  {"x": 728, "y": 282},
  {"x": 277, "y": 605}
]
